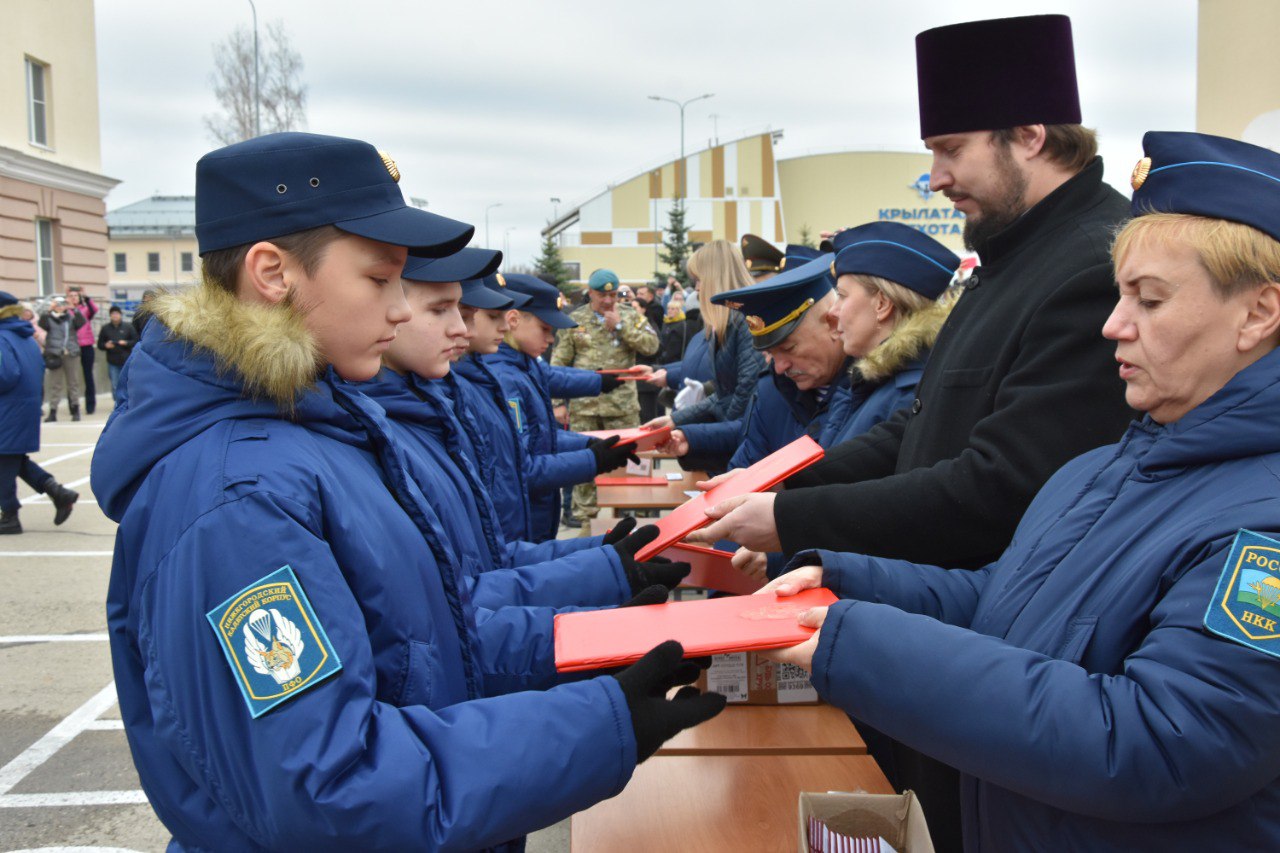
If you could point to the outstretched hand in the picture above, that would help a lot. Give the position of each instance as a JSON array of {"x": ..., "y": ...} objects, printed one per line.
[{"x": 745, "y": 519}]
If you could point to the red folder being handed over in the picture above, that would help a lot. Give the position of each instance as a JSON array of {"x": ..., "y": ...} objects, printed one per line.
[
  {"x": 763, "y": 475},
  {"x": 710, "y": 568},
  {"x": 593, "y": 639},
  {"x": 643, "y": 439},
  {"x": 638, "y": 369},
  {"x": 631, "y": 481}
]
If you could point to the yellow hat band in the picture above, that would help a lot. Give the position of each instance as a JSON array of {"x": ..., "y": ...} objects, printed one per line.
[{"x": 757, "y": 329}]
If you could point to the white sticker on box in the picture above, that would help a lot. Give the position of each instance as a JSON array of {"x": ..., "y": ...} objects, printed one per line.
[
  {"x": 794, "y": 685},
  {"x": 674, "y": 476},
  {"x": 728, "y": 675}
]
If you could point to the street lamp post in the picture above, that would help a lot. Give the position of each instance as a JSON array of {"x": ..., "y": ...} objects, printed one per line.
[
  {"x": 506, "y": 245},
  {"x": 555, "y": 208},
  {"x": 681, "y": 105},
  {"x": 487, "y": 244},
  {"x": 257, "y": 87}
]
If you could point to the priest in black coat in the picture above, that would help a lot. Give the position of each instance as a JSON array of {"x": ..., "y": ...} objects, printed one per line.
[{"x": 1020, "y": 380}]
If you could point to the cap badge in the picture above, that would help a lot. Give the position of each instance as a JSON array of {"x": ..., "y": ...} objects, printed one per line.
[
  {"x": 833, "y": 270},
  {"x": 1140, "y": 172},
  {"x": 754, "y": 324},
  {"x": 561, "y": 301},
  {"x": 782, "y": 264},
  {"x": 608, "y": 286},
  {"x": 392, "y": 169},
  {"x": 502, "y": 282},
  {"x": 748, "y": 259}
]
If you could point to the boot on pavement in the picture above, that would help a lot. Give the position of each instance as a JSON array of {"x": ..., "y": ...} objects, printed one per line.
[
  {"x": 52, "y": 416},
  {"x": 75, "y": 413},
  {"x": 63, "y": 500},
  {"x": 9, "y": 523}
]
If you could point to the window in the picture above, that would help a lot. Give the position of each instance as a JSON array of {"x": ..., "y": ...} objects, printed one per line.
[
  {"x": 187, "y": 262},
  {"x": 153, "y": 262},
  {"x": 122, "y": 263},
  {"x": 37, "y": 103},
  {"x": 44, "y": 256}
]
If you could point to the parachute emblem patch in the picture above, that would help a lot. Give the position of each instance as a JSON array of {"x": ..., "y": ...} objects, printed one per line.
[
  {"x": 274, "y": 643},
  {"x": 1246, "y": 602}
]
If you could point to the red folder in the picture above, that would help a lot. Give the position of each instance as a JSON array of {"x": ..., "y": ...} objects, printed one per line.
[
  {"x": 631, "y": 481},
  {"x": 593, "y": 639},
  {"x": 763, "y": 475},
  {"x": 710, "y": 568},
  {"x": 643, "y": 439},
  {"x": 620, "y": 371}
]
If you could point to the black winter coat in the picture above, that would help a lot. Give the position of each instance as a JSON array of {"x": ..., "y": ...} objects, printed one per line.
[{"x": 1019, "y": 382}]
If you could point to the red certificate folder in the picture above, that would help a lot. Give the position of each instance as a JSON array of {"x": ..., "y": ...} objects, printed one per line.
[
  {"x": 638, "y": 369},
  {"x": 763, "y": 475},
  {"x": 593, "y": 639},
  {"x": 710, "y": 568},
  {"x": 643, "y": 439},
  {"x": 631, "y": 481}
]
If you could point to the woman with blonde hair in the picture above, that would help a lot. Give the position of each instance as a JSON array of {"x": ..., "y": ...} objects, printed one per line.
[{"x": 715, "y": 268}]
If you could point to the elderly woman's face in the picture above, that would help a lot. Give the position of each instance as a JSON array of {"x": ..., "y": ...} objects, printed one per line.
[
  {"x": 858, "y": 316},
  {"x": 1177, "y": 341}
]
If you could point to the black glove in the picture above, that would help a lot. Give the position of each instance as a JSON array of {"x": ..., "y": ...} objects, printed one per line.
[
  {"x": 620, "y": 531},
  {"x": 608, "y": 456},
  {"x": 609, "y": 382},
  {"x": 654, "y": 717},
  {"x": 657, "y": 570},
  {"x": 656, "y": 594}
]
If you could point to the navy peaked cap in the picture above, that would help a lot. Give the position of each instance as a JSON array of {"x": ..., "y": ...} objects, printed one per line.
[
  {"x": 460, "y": 266},
  {"x": 898, "y": 253},
  {"x": 545, "y": 300},
  {"x": 774, "y": 307},
  {"x": 283, "y": 183}
]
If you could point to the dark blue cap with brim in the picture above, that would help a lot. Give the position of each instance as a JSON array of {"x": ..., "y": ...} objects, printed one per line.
[
  {"x": 545, "y": 300},
  {"x": 1211, "y": 176},
  {"x": 897, "y": 253},
  {"x": 798, "y": 255},
  {"x": 283, "y": 183},
  {"x": 774, "y": 307},
  {"x": 490, "y": 293},
  {"x": 460, "y": 266}
]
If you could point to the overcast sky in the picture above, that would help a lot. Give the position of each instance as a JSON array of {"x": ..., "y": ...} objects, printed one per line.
[{"x": 518, "y": 102}]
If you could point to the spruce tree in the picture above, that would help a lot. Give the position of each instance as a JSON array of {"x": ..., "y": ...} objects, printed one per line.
[
  {"x": 806, "y": 237},
  {"x": 675, "y": 246},
  {"x": 550, "y": 264}
]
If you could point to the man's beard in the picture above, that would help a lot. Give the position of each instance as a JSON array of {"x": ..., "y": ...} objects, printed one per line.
[{"x": 1003, "y": 207}]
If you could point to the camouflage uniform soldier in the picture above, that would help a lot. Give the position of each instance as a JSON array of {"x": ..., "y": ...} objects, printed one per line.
[{"x": 609, "y": 335}]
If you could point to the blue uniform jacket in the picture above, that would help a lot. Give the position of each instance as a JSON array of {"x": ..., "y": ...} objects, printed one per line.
[
  {"x": 213, "y": 492},
  {"x": 736, "y": 363},
  {"x": 696, "y": 363},
  {"x": 21, "y": 387},
  {"x": 563, "y": 381},
  {"x": 498, "y": 573},
  {"x": 555, "y": 457},
  {"x": 1072, "y": 682}
]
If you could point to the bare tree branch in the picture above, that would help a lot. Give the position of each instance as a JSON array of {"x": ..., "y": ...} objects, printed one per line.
[{"x": 282, "y": 93}]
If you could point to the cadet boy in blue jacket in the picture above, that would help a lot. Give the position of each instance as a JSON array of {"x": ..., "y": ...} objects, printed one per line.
[{"x": 298, "y": 664}]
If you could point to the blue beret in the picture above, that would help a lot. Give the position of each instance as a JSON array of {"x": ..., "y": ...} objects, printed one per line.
[
  {"x": 899, "y": 253},
  {"x": 1209, "y": 176},
  {"x": 604, "y": 280},
  {"x": 545, "y": 300},
  {"x": 775, "y": 307},
  {"x": 461, "y": 265},
  {"x": 283, "y": 183},
  {"x": 988, "y": 75},
  {"x": 491, "y": 292}
]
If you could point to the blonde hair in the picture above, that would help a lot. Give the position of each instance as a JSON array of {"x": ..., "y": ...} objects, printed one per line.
[
  {"x": 719, "y": 267},
  {"x": 905, "y": 300},
  {"x": 1237, "y": 257}
]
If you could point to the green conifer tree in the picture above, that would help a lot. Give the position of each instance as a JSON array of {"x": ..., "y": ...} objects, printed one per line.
[
  {"x": 675, "y": 246},
  {"x": 550, "y": 264}
]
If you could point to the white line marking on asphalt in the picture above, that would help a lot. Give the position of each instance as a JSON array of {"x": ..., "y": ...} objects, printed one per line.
[
  {"x": 30, "y": 499},
  {"x": 78, "y": 798},
  {"x": 41, "y": 500},
  {"x": 83, "y": 425},
  {"x": 58, "y": 737},
  {"x": 56, "y": 553},
  {"x": 54, "y": 638},
  {"x": 105, "y": 726},
  {"x": 44, "y": 444},
  {"x": 64, "y": 457}
]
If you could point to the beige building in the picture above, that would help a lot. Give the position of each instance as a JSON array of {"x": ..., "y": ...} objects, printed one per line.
[
  {"x": 1237, "y": 70},
  {"x": 738, "y": 188},
  {"x": 52, "y": 227},
  {"x": 151, "y": 243}
]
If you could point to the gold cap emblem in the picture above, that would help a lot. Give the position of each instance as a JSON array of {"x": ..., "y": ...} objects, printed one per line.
[
  {"x": 833, "y": 270},
  {"x": 748, "y": 260},
  {"x": 754, "y": 324},
  {"x": 782, "y": 264},
  {"x": 608, "y": 287},
  {"x": 392, "y": 169},
  {"x": 1140, "y": 172},
  {"x": 502, "y": 282},
  {"x": 561, "y": 301}
]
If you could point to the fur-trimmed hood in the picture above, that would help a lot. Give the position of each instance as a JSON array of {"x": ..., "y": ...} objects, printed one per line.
[
  {"x": 268, "y": 346},
  {"x": 912, "y": 338}
]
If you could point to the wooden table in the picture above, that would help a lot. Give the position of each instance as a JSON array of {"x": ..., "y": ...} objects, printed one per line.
[
  {"x": 712, "y": 803},
  {"x": 668, "y": 496},
  {"x": 770, "y": 730}
]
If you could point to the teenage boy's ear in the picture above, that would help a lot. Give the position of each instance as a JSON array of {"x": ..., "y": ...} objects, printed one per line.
[
  {"x": 513, "y": 318},
  {"x": 268, "y": 272}
]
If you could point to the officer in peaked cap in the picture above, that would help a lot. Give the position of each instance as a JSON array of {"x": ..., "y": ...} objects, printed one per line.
[
  {"x": 763, "y": 259},
  {"x": 1003, "y": 126},
  {"x": 609, "y": 335},
  {"x": 798, "y": 255}
]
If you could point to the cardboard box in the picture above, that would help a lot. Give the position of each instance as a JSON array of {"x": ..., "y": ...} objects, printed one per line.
[
  {"x": 748, "y": 679},
  {"x": 897, "y": 818}
]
